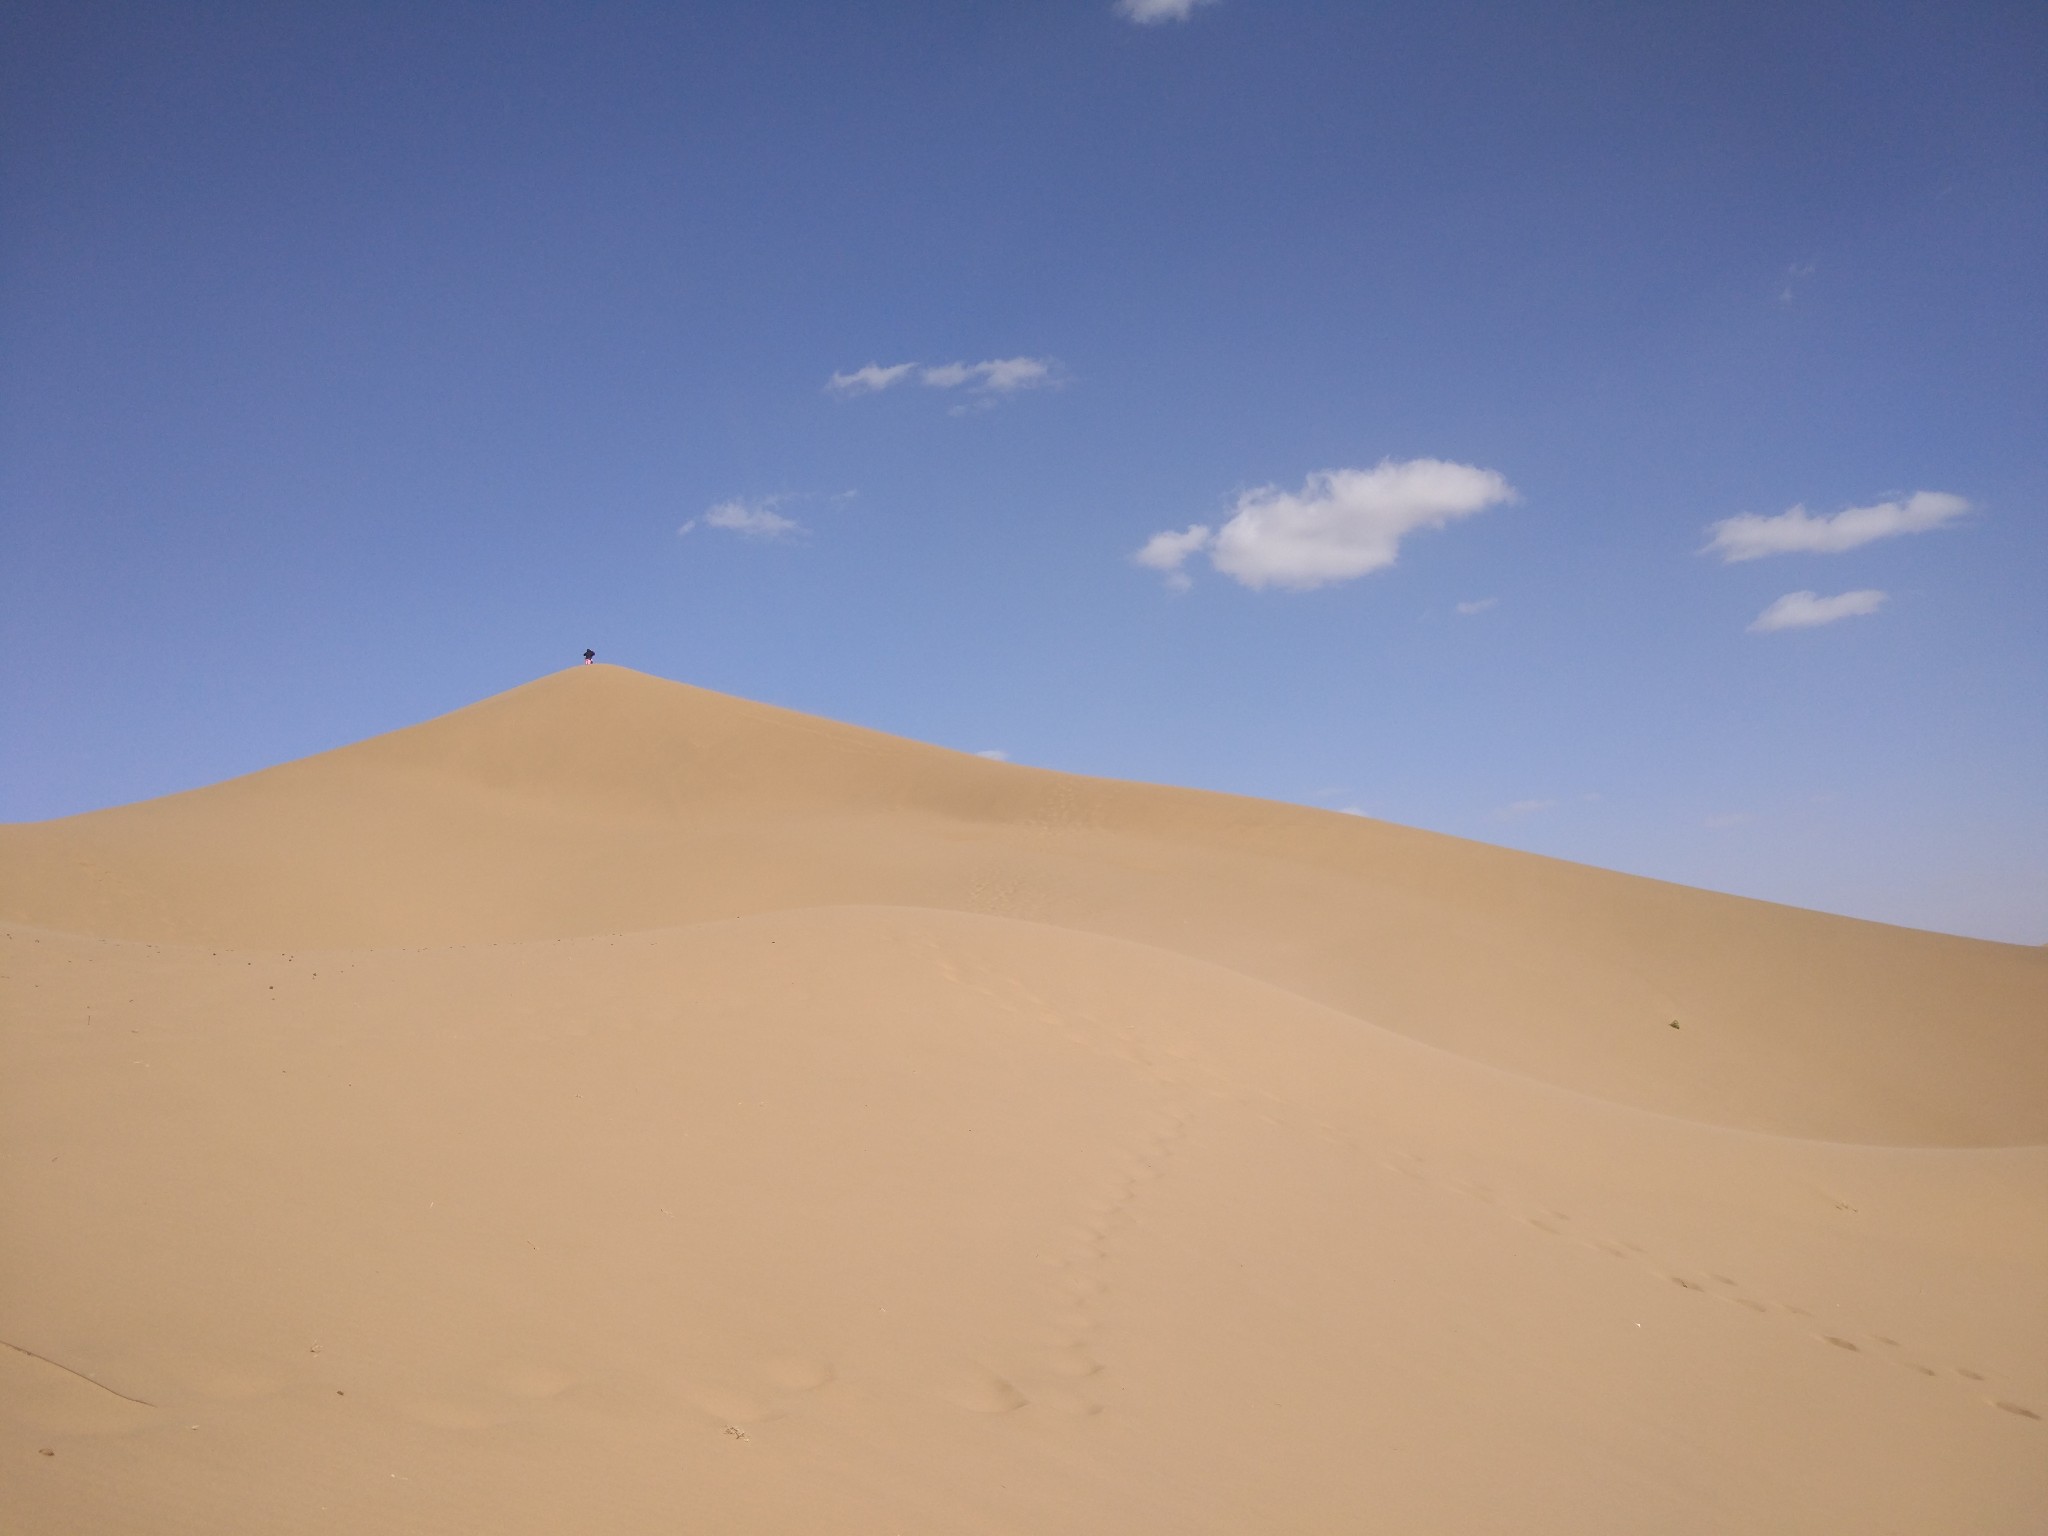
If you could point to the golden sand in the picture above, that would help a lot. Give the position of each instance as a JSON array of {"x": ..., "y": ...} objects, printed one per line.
[{"x": 616, "y": 1107}]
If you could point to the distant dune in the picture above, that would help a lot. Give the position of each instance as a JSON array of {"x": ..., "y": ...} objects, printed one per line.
[{"x": 616, "y": 1107}]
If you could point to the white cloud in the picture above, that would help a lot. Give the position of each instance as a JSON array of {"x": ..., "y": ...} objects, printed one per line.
[
  {"x": 1477, "y": 605},
  {"x": 1803, "y": 610},
  {"x": 1797, "y": 531},
  {"x": 996, "y": 376},
  {"x": 1149, "y": 12},
  {"x": 1009, "y": 373},
  {"x": 869, "y": 380},
  {"x": 1350, "y": 810},
  {"x": 1169, "y": 551},
  {"x": 994, "y": 754},
  {"x": 1343, "y": 523},
  {"x": 757, "y": 520},
  {"x": 1525, "y": 808}
]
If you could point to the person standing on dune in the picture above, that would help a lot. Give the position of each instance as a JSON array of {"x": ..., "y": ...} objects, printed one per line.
[{"x": 589, "y": 658}]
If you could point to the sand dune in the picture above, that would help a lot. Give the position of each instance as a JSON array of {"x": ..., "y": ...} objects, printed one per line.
[{"x": 618, "y": 1107}]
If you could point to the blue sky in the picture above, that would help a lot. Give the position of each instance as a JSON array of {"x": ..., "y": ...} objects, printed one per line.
[{"x": 359, "y": 361}]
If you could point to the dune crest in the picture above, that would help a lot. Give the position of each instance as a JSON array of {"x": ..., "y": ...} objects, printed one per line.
[
  {"x": 619, "y": 1107},
  {"x": 600, "y": 800}
]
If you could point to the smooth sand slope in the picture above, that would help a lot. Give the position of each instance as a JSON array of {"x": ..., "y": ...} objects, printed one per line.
[{"x": 617, "y": 1108}]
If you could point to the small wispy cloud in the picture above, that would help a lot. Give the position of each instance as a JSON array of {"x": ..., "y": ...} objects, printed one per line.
[
  {"x": 870, "y": 380},
  {"x": 1805, "y": 610},
  {"x": 751, "y": 519},
  {"x": 1148, "y": 13},
  {"x": 996, "y": 376},
  {"x": 1167, "y": 552},
  {"x": 1729, "y": 819},
  {"x": 1796, "y": 531},
  {"x": 994, "y": 754},
  {"x": 1342, "y": 524},
  {"x": 999, "y": 376},
  {"x": 1515, "y": 810},
  {"x": 1478, "y": 605},
  {"x": 1795, "y": 275}
]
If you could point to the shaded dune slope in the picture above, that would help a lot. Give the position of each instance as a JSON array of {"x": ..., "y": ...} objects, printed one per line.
[{"x": 600, "y": 801}]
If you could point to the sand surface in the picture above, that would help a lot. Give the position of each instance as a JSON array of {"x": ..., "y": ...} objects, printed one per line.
[{"x": 620, "y": 1108}]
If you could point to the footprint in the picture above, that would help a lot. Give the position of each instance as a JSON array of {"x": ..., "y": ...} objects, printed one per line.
[
  {"x": 447, "y": 1413},
  {"x": 1967, "y": 1374},
  {"x": 2022, "y": 1411},
  {"x": 626, "y": 1397},
  {"x": 985, "y": 1392},
  {"x": 531, "y": 1381},
  {"x": 1073, "y": 1404},
  {"x": 236, "y": 1385},
  {"x": 1073, "y": 1360},
  {"x": 729, "y": 1406},
  {"x": 798, "y": 1373},
  {"x": 1840, "y": 1343}
]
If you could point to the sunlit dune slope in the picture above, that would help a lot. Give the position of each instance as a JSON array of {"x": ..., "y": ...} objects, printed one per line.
[
  {"x": 867, "y": 1219},
  {"x": 602, "y": 801},
  {"x": 620, "y": 1108}
]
